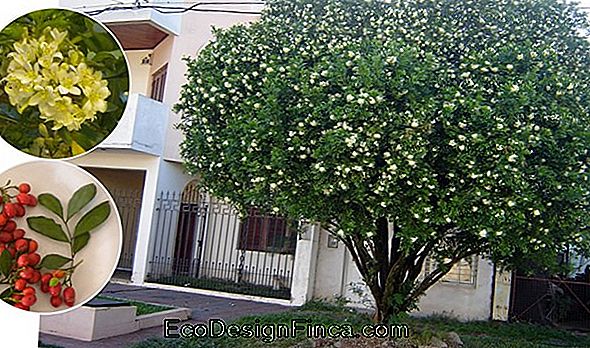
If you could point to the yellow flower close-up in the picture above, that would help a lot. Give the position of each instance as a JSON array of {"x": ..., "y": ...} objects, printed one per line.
[{"x": 52, "y": 74}]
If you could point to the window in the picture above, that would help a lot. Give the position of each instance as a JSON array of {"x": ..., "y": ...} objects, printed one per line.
[
  {"x": 270, "y": 233},
  {"x": 159, "y": 83},
  {"x": 463, "y": 272}
]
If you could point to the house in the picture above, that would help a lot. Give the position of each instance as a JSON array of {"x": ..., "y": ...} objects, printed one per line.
[{"x": 176, "y": 235}]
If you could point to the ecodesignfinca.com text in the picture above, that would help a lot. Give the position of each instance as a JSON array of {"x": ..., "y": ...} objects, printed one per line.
[{"x": 270, "y": 332}]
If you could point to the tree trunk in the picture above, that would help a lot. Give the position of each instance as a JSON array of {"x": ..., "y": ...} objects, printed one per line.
[
  {"x": 383, "y": 311},
  {"x": 390, "y": 273}
]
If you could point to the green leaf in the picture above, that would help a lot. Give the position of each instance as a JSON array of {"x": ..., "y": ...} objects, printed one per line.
[
  {"x": 93, "y": 218},
  {"x": 6, "y": 292},
  {"x": 52, "y": 203},
  {"x": 53, "y": 281},
  {"x": 81, "y": 198},
  {"x": 5, "y": 262},
  {"x": 47, "y": 227},
  {"x": 54, "y": 261},
  {"x": 80, "y": 241}
]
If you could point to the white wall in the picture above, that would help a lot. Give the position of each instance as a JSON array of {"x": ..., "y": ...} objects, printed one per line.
[
  {"x": 463, "y": 301},
  {"x": 127, "y": 159},
  {"x": 195, "y": 33},
  {"x": 140, "y": 73},
  {"x": 141, "y": 126}
]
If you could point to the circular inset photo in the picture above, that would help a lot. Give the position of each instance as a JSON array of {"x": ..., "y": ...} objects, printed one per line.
[
  {"x": 60, "y": 236},
  {"x": 64, "y": 83}
]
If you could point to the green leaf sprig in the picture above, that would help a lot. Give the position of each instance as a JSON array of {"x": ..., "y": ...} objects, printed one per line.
[{"x": 61, "y": 230}]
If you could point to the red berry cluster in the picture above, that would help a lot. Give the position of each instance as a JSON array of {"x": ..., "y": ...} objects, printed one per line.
[
  {"x": 52, "y": 283},
  {"x": 23, "y": 251},
  {"x": 25, "y": 269}
]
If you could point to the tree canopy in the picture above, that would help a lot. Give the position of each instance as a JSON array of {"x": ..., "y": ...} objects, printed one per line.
[{"x": 464, "y": 124}]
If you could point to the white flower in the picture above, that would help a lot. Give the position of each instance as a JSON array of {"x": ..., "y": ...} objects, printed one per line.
[
  {"x": 349, "y": 98},
  {"x": 461, "y": 147},
  {"x": 509, "y": 66},
  {"x": 483, "y": 233},
  {"x": 536, "y": 212},
  {"x": 514, "y": 88},
  {"x": 511, "y": 203},
  {"x": 512, "y": 158},
  {"x": 414, "y": 124},
  {"x": 273, "y": 186}
]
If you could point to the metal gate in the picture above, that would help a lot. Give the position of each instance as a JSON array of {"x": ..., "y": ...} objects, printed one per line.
[
  {"x": 551, "y": 301},
  {"x": 202, "y": 242},
  {"x": 129, "y": 206}
]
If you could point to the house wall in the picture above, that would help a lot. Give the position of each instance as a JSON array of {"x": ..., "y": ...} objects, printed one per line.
[
  {"x": 119, "y": 180},
  {"x": 128, "y": 159},
  {"x": 140, "y": 73},
  {"x": 463, "y": 301},
  {"x": 195, "y": 33},
  {"x": 337, "y": 276}
]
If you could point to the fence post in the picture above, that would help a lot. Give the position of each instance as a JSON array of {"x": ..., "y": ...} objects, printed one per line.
[
  {"x": 305, "y": 265},
  {"x": 144, "y": 230},
  {"x": 501, "y": 299}
]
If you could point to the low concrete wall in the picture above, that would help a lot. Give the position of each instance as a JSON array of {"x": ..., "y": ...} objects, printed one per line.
[{"x": 94, "y": 323}]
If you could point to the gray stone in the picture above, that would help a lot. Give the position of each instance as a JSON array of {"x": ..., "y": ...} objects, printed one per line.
[
  {"x": 453, "y": 340},
  {"x": 438, "y": 343}
]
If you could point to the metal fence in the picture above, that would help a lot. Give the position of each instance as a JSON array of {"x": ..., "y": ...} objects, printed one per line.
[
  {"x": 129, "y": 205},
  {"x": 551, "y": 301},
  {"x": 203, "y": 243}
]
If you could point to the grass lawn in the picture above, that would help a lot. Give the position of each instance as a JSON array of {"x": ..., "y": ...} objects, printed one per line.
[
  {"x": 473, "y": 334},
  {"x": 142, "y": 307}
]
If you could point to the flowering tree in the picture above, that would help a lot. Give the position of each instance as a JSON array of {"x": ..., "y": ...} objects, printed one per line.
[{"x": 406, "y": 129}]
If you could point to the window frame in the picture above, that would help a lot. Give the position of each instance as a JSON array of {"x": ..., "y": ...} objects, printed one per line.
[
  {"x": 454, "y": 277},
  {"x": 158, "y": 83},
  {"x": 258, "y": 232}
]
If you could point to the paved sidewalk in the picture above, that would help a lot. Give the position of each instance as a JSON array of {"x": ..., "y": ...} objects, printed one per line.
[{"x": 203, "y": 308}]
